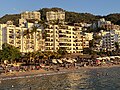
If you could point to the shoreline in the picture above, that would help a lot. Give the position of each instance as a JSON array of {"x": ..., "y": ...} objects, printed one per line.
[{"x": 39, "y": 73}]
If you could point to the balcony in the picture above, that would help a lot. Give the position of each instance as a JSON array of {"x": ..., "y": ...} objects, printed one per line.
[
  {"x": 11, "y": 41},
  {"x": 11, "y": 32}
]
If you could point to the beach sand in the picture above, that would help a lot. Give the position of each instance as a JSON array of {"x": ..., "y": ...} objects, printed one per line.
[{"x": 42, "y": 72}]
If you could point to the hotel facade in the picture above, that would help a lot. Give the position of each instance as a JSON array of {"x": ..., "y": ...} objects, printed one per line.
[
  {"x": 21, "y": 38},
  {"x": 66, "y": 37}
]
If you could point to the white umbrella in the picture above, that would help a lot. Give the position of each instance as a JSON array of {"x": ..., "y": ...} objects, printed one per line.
[
  {"x": 104, "y": 58},
  {"x": 60, "y": 61},
  {"x": 70, "y": 61},
  {"x": 99, "y": 58},
  {"x": 108, "y": 58},
  {"x": 5, "y": 61},
  {"x": 64, "y": 59},
  {"x": 54, "y": 61},
  {"x": 116, "y": 56},
  {"x": 112, "y": 57},
  {"x": 74, "y": 60}
]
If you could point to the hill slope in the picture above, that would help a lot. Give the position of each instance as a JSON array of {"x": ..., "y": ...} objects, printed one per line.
[
  {"x": 71, "y": 17},
  {"x": 12, "y": 17}
]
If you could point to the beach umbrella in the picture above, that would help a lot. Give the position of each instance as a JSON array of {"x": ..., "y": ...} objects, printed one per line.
[
  {"x": 64, "y": 59},
  {"x": 108, "y": 58},
  {"x": 112, "y": 57},
  {"x": 54, "y": 61},
  {"x": 5, "y": 61},
  {"x": 74, "y": 60},
  {"x": 60, "y": 61},
  {"x": 70, "y": 61},
  {"x": 42, "y": 65},
  {"x": 116, "y": 56},
  {"x": 98, "y": 61},
  {"x": 104, "y": 58},
  {"x": 99, "y": 58},
  {"x": 17, "y": 64}
]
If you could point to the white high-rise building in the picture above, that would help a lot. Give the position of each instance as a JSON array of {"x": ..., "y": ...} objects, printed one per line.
[
  {"x": 23, "y": 38},
  {"x": 54, "y": 16},
  {"x": 31, "y": 15},
  {"x": 108, "y": 40},
  {"x": 66, "y": 37}
]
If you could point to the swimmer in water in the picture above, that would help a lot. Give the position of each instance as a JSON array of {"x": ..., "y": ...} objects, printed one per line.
[{"x": 12, "y": 86}]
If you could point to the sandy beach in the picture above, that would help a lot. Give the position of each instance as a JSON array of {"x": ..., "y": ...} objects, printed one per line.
[{"x": 42, "y": 72}]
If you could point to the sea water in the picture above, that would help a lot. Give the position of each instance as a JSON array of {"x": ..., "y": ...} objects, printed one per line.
[{"x": 83, "y": 79}]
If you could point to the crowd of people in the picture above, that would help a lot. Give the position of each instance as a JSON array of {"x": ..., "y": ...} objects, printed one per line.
[{"x": 59, "y": 64}]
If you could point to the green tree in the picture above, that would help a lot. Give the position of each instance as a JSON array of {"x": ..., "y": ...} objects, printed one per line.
[
  {"x": 116, "y": 45},
  {"x": 10, "y": 52},
  {"x": 62, "y": 51}
]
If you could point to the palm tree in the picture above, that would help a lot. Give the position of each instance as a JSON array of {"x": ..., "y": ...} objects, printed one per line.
[
  {"x": 117, "y": 47},
  {"x": 34, "y": 30},
  {"x": 26, "y": 34}
]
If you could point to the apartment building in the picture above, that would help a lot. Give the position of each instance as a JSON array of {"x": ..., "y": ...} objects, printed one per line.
[
  {"x": 108, "y": 40},
  {"x": 100, "y": 23},
  {"x": 117, "y": 32},
  {"x": 31, "y": 15},
  {"x": 110, "y": 27},
  {"x": 52, "y": 38},
  {"x": 107, "y": 25},
  {"x": 54, "y": 16},
  {"x": 68, "y": 38},
  {"x": 65, "y": 37},
  {"x": 22, "y": 38},
  {"x": 2, "y": 34}
]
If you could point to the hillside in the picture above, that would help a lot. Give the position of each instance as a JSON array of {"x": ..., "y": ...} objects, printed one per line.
[
  {"x": 12, "y": 17},
  {"x": 114, "y": 18},
  {"x": 71, "y": 17}
]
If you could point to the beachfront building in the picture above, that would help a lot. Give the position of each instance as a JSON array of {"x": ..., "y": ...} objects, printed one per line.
[
  {"x": 31, "y": 15},
  {"x": 52, "y": 38},
  {"x": 70, "y": 38},
  {"x": 66, "y": 37},
  {"x": 52, "y": 16},
  {"x": 117, "y": 32},
  {"x": 23, "y": 38},
  {"x": 108, "y": 40},
  {"x": 2, "y": 35}
]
